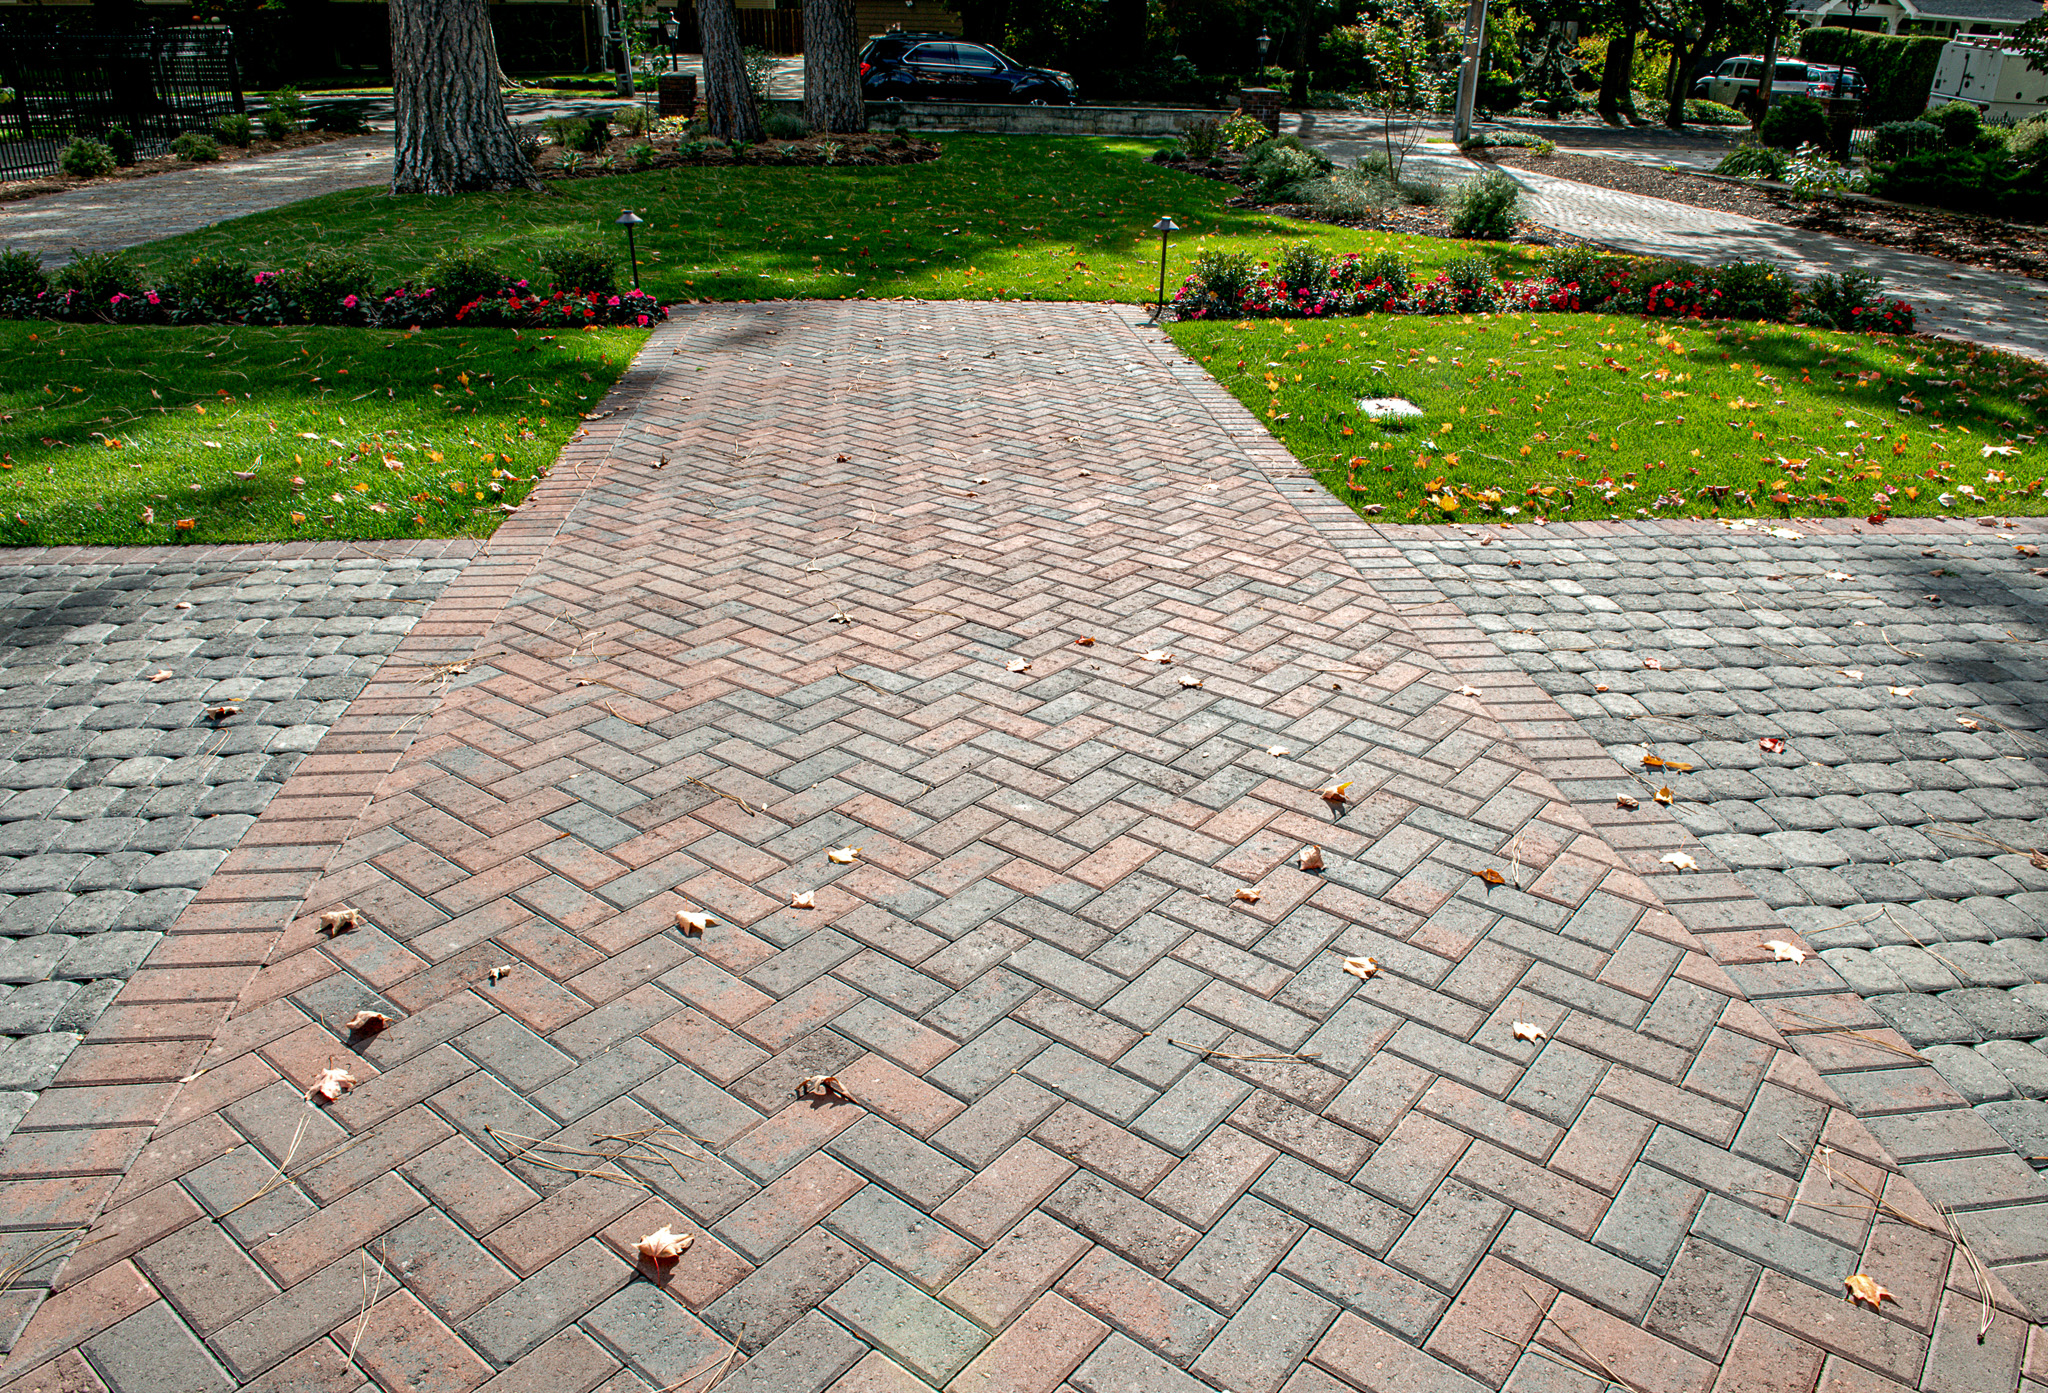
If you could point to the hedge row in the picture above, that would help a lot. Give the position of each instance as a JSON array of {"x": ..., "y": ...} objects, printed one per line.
[{"x": 1897, "y": 71}]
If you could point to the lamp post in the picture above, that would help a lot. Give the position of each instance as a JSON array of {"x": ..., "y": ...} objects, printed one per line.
[
  {"x": 1264, "y": 44},
  {"x": 630, "y": 220},
  {"x": 1163, "y": 227},
  {"x": 671, "y": 31}
]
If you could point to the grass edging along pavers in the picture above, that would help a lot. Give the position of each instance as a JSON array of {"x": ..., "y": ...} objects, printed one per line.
[
  {"x": 126, "y": 435},
  {"x": 1600, "y": 416}
]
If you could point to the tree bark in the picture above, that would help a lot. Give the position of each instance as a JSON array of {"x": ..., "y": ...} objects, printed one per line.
[
  {"x": 452, "y": 135},
  {"x": 1685, "y": 57},
  {"x": 1769, "y": 79},
  {"x": 1297, "y": 52},
  {"x": 728, "y": 101},
  {"x": 832, "y": 96},
  {"x": 1617, "y": 96}
]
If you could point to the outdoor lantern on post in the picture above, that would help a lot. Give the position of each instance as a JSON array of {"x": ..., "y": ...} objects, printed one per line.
[
  {"x": 671, "y": 31},
  {"x": 1265, "y": 43},
  {"x": 630, "y": 220},
  {"x": 1165, "y": 225}
]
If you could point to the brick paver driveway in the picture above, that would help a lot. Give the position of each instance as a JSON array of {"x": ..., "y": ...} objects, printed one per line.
[{"x": 901, "y": 577}]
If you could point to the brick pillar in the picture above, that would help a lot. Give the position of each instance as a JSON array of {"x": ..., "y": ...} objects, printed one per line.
[{"x": 1263, "y": 103}]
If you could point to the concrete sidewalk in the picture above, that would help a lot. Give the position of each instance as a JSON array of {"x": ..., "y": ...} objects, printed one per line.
[{"x": 1007, "y": 640}]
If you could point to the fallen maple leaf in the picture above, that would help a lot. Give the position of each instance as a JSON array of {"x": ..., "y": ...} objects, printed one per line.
[
  {"x": 367, "y": 1022},
  {"x": 331, "y": 1084},
  {"x": 843, "y": 855},
  {"x": 1361, "y": 968},
  {"x": 1838, "y": 575},
  {"x": 335, "y": 920},
  {"x": 1190, "y": 681},
  {"x": 1654, "y": 663},
  {"x": 1311, "y": 858},
  {"x": 1468, "y": 690},
  {"x": 221, "y": 713},
  {"x": 1853, "y": 674},
  {"x": 1248, "y": 896},
  {"x": 662, "y": 1247},
  {"x": 693, "y": 925},
  {"x": 826, "y": 1084},
  {"x": 804, "y": 899},
  {"x": 1771, "y": 744},
  {"x": 164, "y": 676},
  {"x": 1278, "y": 751},
  {"x": 1491, "y": 876},
  {"x": 1785, "y": 952},
  {"x": 1862, "y": 1288},
  {"x": 1526, "y": 1031},
  {"x": 1663, "y": 795},
  {"x": 1622, "y": 800},
  {"x": 1966, "y": 723},
  {"x": 1084, "y": 643},
  {"x": 1679, "y": 860},
  {"x": 1335, "y": 792},
  {"x": 1017, "y": 664},
  {"x": 502, "y": 971},
  {"x": 1158, "y": 655}
]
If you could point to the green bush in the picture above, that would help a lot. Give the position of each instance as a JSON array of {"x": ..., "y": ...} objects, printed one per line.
[
  {"x": 287, "y": 108},
  {"x": 1958, "y": 123},
  {"x": 2028, "y": 143},
  {"x": 1896, "y": 71},
  {"x": 1498, "y": 92},
  {"x": 587, "y": 266},
  {"x": 342, "y": 118},
  {"x": 1302, "y": 267},
  {"x": 1752, "y": 162},
  {"x": 209, "y": 288},
  {"x": 100, "y": 276},
  {"x": 325, "y": 279},
  {"x": 643, "y": 155},
  {"x": 21, "y": 275},
  {"x": 1975, "y": 181},
  {"x": 1201, "y": 138},
  {"x": 235, "y": 130},
  {"x": 121, "y": 141},
  {"x": 1387, "y": 266},
  {"x": 1702, "y": 112},
  {"x": 784, "y": 125},
  {"x": 1472, "y": 280},
  {"x": 1852, "y": 300},
  {"x": 1488, "y": 207},
  {"x": 1754, "y": 290},
  {"x": 1792, "y": 122},
  {"x": 1282, "y": 161},
  {"x": 585, "y": 133},
  {"x": 463, "y": 275},
  {"x": 1897, "y": 139},
  {"x": 87, "y": 159},
  {"x": 199, "y": 149},
  {"x": 1218, "y": 280},
  {"x": 630, "y": 119}
]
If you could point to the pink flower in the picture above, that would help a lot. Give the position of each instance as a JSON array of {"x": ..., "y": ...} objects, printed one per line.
[{"x": 348, "y": 302}]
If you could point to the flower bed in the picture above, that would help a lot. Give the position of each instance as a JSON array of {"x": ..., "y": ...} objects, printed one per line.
[{"x": 1304, "y": 284}]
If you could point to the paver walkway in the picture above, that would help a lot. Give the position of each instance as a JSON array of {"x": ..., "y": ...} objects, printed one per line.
[{"x": 830, "y": 591}]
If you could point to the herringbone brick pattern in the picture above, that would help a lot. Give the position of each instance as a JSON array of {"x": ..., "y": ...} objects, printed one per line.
[{"x": 899, "y": 577}]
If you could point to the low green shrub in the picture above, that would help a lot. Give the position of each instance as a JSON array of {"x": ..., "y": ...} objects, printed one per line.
[
  {"x": 1813, "y": 175},
  {"x": 1498, "y": 92},
  {"x": 1753, "y": 162},
  {"x": 1702, "y": 112},
  {"x": 86, "y": 158},
  {"x": 199, "y": 149},
  {"x": 235, "y": 130},
  {"x": 326, "y": 279},
  {"x": 21, "y": 275},
  {"x": 1242, "y": 131},
  {"x": 2028, "y": 143},
  {"x": 340, "y": 118},
  {"x": 462, "y": 275},
  {"x": 1896, "y": 139},
  {"x": 121, "y": 141},
  {"x": 633, "y": 120},
  {"x": 99, "y": 276},
  {"x": 590, "y": 266},
  {"x": 1201, "y": 138},
  {"x": 1958, "y": 123},
  {"x": 1218, "y": 280},
  {"x": 643, "y": 155},
  {"x": 1793, "y": 121},
  {"x": 1976, "y": 181},
  {"x": 283, "y": 111},
  {"x": 1853, "y": 300},
  {"x": 209, "y": 289},
  {"x": 783, "y": 125},
  {"x": 1283, "y": 161},
  {"x": 1487, "y": 207}
]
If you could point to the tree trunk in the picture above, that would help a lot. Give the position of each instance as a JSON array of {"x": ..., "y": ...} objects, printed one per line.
[
  {"x": 1685, "y": 57},
  {"x": 452, "y": 135},
  {"x": 728, "y": 101},
  {"x": 1618, "y": 71},
  {"x": 832, "y": 96},
  {"x": 1297, "y": 53},
  {"x": 1769, "y": 78}
]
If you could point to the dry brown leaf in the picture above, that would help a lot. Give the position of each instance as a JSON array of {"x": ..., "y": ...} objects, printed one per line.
[
  {"x": 1361, "y": 968},
  {"x": 367, "y": 1022},
  {"x": 1653, "y": 762},
  {"x": 2039, "y": 859},
  {"x": 331, "y": 1084},
  {"x": 221, "y": 713},
  {"x": 1771, "y": 745},
  {"x": 1017, "y": 664},
  {"x": 1862, "y": 1288},
  {"x": 825, "y": 1084},
  {"x": 1902, "y": 691},
  {"x": 1785, "y": 952},
  {"x": 163, "y": 676},
  {"x": 843, "y": 855},
  {"x": 1158, "y": 655},
  {"x": 502, "y": 971},
  {"x": 662, "y": 1247},
  {"x": 1248, "y": 896},
  {"x": 1655, "y": 664},
  {"x": 335, "y": 920},
  {"x": 1335, "y": 792},
  {"x": 1679, "y": 860},
  {"x": 1311, "y": 858},
  {"x": 1622, "y": 800},
  {"x": 1084, "y": 643},
  {"x": 1190, "y": 681},
  {"x": 1468, "y": 690},
  {"x": 1599, "y": 688},
  {"x": 693, "y": 925},
  {"x": 1966, "y": 723},
  {"x": 182, "y": 604},
  {"x": 1526, "y": 1031},
  {"x": 1491, "y": 876},
  {"x": 804, "y": 899},
  {"x": 1663, "y": 795},
  {"x": 1278, "y": 751},
  {"x": 1853, "y": 674}
]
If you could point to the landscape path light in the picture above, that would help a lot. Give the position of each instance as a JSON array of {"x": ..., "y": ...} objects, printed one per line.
[
  {"x": 630, "y": 220},
  {"x": 1163, "y": 227}
]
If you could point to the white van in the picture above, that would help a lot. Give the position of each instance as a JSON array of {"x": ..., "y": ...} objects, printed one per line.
[
  {"x": 1994, "y": 79},
  {"x": 1735, "y": 82}
]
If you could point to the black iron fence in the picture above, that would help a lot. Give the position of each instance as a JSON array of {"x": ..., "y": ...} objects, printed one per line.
[{"x": 155, "y": 83}]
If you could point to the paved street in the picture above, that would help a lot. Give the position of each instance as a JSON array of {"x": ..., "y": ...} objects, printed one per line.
[{"x": 945, "y": 719}]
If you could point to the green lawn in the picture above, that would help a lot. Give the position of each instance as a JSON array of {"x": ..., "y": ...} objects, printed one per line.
[
  {"x": 1596, "y": 416},
  {"x": 115, "y": 435},
  {"x": 993, "y": 218}
]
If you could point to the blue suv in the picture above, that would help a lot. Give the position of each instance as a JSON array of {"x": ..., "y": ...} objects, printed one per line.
[{"x": 901, "y": 67}]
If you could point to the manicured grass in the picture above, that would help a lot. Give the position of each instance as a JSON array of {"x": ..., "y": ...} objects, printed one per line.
[
  {"x": 100, "y": 426},
  {"x": 1596, "y": 416},
  {"x": 993, "y": 218}
]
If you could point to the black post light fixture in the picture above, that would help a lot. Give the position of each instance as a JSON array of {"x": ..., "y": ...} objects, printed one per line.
[
  {"x": 1165, "y": 226},
  {"x": 630, "y": 220},
  {"x": 1265, "y": 44}
]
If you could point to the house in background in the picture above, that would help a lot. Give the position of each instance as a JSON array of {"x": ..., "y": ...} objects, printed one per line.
[{"x": 1937, "y": 18}]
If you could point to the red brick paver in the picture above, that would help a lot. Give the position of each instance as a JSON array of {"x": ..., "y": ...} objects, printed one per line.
[{"x": 820, "y": 580}]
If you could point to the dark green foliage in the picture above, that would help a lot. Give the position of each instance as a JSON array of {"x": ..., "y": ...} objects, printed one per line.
[
  {"x": 325, "y": 279},
  {"x": 235, "y": 130},
  {"x": 590, "y": 266},
  {"x": 283, "y": 110},
  {"x": 1752, "y": 162},
  {"x": 342, "y": 118},
  {"x": 100, "y": 276},
  {"x": 1499, "y": 92},
  {"x": 1487, "y": 208},
  {"x": 1896, "y": 71},
  {"x": 1282, "y": 161},
  {"x": 1976, "y": 181},
  {"x": 587, "y": 134},
  {"x": 1201, "y": 138},
  {"x": 1219, "y": 280},
  {"x": 643, "y": 156},
  {"x": 1389, "y": 267},
  {"x": 1754, "y": 290},
  {"x": 86, "y": 158},
  {"x": 1792, "y": 122},
  {"x": 1897, "y": 139},
  {"x": 462, "y": 275},
  {"x": 1472, "y": 279},
  {"x": 1958, "y": 123},
  {"x": 21, "y": 275},
  {"x": 121, "y": 141},
  {"x": 199, "y": 149},
  {"x": 209, "y": 288},
  {"x": 783, "y": 125}
]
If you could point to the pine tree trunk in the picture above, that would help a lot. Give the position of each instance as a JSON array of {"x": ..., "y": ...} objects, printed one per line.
[
  {"x": 728, "y": 102},
  {"x": 832, "y": 96},
  {"x": 1618, "y": 70},
  {"x": 452, "y": 135}
]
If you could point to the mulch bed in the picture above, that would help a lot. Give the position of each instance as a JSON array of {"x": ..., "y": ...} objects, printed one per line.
[
  {"x": 1968, "y": 241},
  {"x": 145, "y": 169},
  {"x": 868, "y": 149}
]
